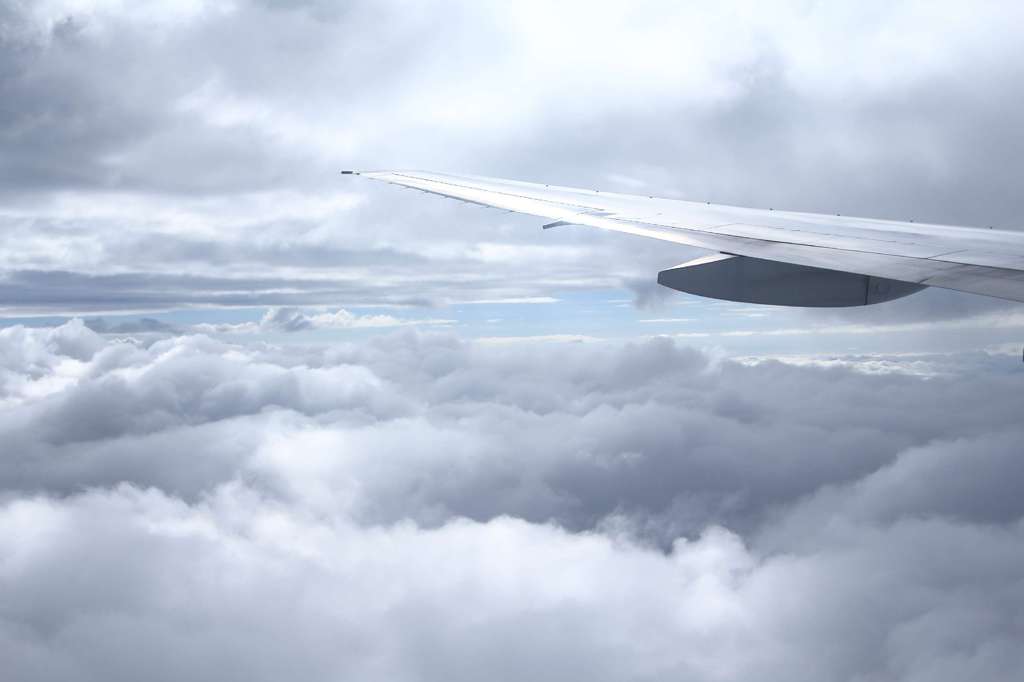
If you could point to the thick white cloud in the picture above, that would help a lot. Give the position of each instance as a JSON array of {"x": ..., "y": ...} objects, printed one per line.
[
  {"x": 420, "y": 507},
  {"x": 425, "y": 426},
  {"x": 130, "y": 583}
]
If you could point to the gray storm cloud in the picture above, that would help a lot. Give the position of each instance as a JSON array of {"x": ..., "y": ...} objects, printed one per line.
[
  {"x": 188, "y": 154},
  {"x": 420, "y": 507}
]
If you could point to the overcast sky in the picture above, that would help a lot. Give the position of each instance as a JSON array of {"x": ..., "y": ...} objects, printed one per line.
[{"x": 259, "y": 421}]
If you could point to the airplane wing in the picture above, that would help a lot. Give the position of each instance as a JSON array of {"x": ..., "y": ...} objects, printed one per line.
[{"x": 766, "y": 255}]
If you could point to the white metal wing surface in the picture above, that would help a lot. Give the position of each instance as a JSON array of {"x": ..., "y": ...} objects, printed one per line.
[{"x": 770, "y": 256}]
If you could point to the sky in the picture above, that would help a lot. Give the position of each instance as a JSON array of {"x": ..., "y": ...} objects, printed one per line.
[{"x": 262, "y": 421}]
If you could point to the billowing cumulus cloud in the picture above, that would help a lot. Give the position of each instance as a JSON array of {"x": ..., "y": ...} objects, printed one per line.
[
  {"x": 425, "y": 426},
  {"x": 131, "y": 583},
  {"x": 416, "y": 506}
]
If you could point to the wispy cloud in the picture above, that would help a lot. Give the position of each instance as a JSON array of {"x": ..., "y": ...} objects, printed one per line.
[{"x": 297, "y": 320}]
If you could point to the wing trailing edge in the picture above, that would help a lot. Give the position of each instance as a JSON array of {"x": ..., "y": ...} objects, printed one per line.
[{"x": 830, "y": 257}]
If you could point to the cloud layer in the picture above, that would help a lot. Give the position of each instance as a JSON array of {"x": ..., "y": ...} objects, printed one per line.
[{"x": 420, "y": 507}]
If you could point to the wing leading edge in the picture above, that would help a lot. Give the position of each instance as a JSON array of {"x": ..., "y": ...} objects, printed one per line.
[{"x": 778, "y": 257}]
